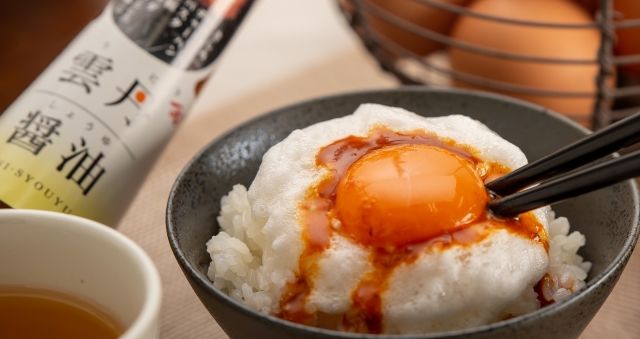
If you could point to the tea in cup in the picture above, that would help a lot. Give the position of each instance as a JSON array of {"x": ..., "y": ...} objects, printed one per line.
[{"x": 73, "y": 278}]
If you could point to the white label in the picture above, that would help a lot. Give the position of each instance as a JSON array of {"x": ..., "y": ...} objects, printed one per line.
[{"x": 83, "y": 136}]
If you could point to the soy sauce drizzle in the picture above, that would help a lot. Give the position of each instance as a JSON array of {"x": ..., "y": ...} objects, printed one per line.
[{"x": 318, "y": 216}]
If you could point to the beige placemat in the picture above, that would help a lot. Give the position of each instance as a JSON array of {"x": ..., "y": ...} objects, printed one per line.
[{"x": 183, "y": 316}]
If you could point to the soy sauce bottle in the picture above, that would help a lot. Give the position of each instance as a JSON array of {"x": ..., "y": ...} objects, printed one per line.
[{"x": 83, "y": 136}]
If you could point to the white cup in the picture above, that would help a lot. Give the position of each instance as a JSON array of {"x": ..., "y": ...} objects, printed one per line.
[{"x": 82, "y": 258}]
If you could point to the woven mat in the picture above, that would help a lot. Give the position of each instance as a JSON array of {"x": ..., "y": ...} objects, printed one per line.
[{"x": 183, "y": 316}]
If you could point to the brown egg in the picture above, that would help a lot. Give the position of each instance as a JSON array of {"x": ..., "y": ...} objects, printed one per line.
[
  {"x": 628, "y": 39},
  {"x": 534, "y": 41},
  {"x": 591, "y": 6},
  {"x": 422, "y": 15}
]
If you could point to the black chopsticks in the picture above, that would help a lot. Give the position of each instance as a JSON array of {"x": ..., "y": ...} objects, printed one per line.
[{"x": 597, "y": 145}]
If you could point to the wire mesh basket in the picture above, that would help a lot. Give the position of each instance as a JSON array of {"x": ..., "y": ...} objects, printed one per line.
[{"x": 615, "y": 93}]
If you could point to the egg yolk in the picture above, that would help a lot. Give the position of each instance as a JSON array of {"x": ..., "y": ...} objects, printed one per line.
[{"x": 406, "y": 194}]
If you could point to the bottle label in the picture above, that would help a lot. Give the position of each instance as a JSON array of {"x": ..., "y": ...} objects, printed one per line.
[{"x": 83, "y": 136}]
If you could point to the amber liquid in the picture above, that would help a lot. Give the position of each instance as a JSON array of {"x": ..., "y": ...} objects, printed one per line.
[{"x": 27, "y": 313}]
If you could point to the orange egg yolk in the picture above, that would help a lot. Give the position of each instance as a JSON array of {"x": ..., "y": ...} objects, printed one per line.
[{"x": 406, "y": 194}]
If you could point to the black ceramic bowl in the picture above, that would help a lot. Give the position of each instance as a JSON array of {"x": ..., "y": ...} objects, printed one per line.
[{"x": 607, "y": 217}]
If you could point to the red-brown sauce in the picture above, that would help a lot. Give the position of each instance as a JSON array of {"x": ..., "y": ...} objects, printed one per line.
[
  {"x": 318, "y": 212},
  {"x": 539, "y": 288}
]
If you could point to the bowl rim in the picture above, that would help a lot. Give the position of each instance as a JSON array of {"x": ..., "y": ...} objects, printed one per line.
[{"x": 202, "y": 280}]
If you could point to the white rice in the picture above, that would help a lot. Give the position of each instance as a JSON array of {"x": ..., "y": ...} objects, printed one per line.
[
  {"x": 237, "y": 254},
  {"x": 567, "y": 269}
]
